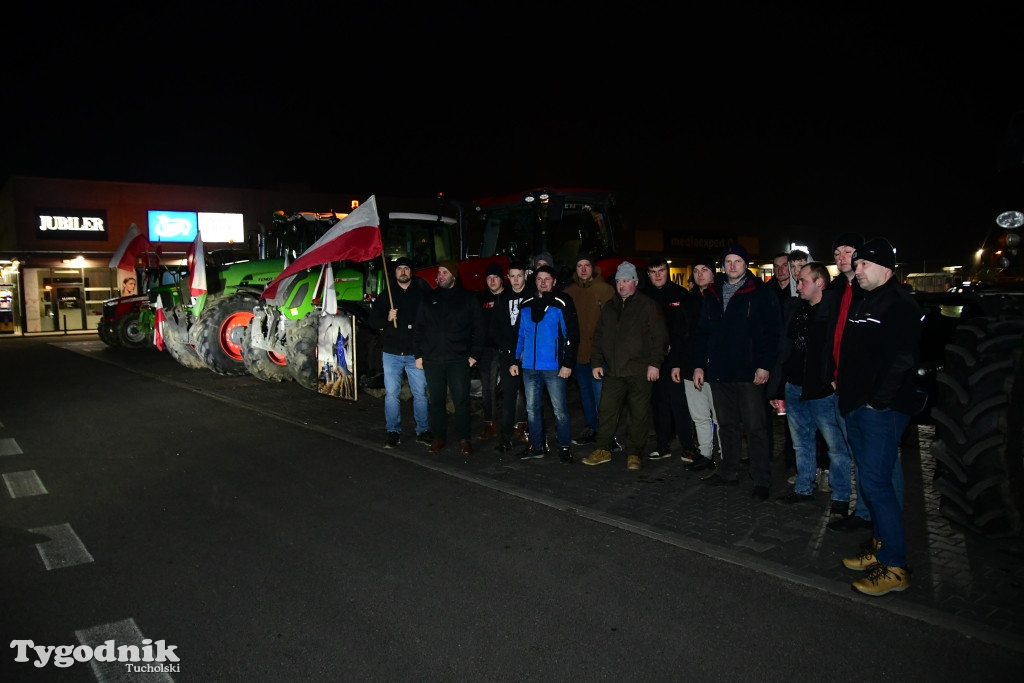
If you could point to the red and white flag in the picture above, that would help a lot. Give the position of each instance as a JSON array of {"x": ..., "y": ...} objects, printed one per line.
[
  {"x": 355, "y": 238},
  {"x": 196, "y": 267},
  {"x": 158, "y": 324},
  {"x": 133, "y": 244}
]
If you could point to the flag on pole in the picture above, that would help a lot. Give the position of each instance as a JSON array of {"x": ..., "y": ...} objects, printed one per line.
[
  {"x": 196, "y": 267},
  {"x": 133, "y": 244},
  {"x": 158, "y": 324},
  {"x": 355, "y": 237},
  {"x": 330, "y": 293}
]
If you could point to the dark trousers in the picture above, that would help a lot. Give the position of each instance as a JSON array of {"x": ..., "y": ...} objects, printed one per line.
[
  {"x": 670, "y": 412},
  {"x": 444, "y": 377},
  {"x": 488, "y": 367},
  {"x": 634, "y": 394},
  {"x": 513, "y": 400},
  {"x": 739, "y": 407}
]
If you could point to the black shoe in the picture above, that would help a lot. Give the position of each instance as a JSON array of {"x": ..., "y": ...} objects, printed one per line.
[
  {"x": 426, "y": 438},
  {"x": 760, "y": 493},
  {"x": 530, "y": 454},
  {"x": 659, "y": 453},
  {"x": 839, "y": 508},
  {"x": 565, "y": 455},
  {"x": 794, "y": 497},
  {"x": 691, "y": 456},
  {"x": 392, "y": 439},
  {"x": 851, "y": 523},
  {"x": 585, "y": 438},
  {"x": 715, "y": 479},
  {"x": 504, "y": 445},
  {"x": 701, "y": 464}
]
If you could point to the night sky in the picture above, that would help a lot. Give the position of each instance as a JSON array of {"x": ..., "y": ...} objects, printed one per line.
[{"x": 784, "y": 125}]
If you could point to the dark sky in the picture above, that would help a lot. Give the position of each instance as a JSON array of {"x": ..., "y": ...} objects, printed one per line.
[{"x": 785, "y": 125}]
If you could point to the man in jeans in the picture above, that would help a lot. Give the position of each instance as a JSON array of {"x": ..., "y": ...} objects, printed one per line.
[
  {"x": 877, "y": 395},
  {"x": 394, "y": 316},
  {"x": 546, "y": 353},
  {"x": 805, "y": 369}
]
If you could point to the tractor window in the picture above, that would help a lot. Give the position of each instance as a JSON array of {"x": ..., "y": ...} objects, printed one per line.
[
  {"x": 522, "y": 231},
  {"x": 424, "y": 242}
]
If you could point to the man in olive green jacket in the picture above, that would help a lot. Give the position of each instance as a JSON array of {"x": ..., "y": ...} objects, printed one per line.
[{"x": 631, "y": 340}]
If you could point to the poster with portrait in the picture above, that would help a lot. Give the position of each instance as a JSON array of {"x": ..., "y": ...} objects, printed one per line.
[{"x": 336, "y": 356}]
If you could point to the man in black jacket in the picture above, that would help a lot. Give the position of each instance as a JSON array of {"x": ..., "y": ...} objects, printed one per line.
[
  {"x": 449, "y": 335},
  {"x": 505, "y": 332},
  {"x": 877, "y": 395},
  {"x": 394, "y": 313}
]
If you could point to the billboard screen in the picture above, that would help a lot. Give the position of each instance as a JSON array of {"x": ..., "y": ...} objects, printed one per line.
[
  {"x": 221, "y": 227},
  {"x": 173, "y": 226}
]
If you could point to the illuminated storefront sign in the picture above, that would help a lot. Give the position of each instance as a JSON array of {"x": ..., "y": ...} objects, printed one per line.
[
  {"x": 71, "y": 224},
  {"x": 182, "y": 226}
]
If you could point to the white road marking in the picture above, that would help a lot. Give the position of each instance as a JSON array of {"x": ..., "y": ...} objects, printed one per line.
[
  {"x": 23, "y": 484},
  {"x": 9, "y": 447},
  {"x": 123, "y": 632},
  {"x": 64, "y": 549}
]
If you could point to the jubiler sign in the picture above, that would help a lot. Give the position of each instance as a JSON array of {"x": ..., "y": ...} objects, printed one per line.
[{"x": 71, "y": 224}]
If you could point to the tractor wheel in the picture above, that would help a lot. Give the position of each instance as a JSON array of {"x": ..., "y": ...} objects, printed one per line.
[
  {"x": 979, "y": 427},
  {"x": 262, "y": 364},
  {"x": 130, "y": 333},
  {"x": 106, "y": 332},
  {"x": 219, "y": 331},
  {"x": 302, "y": 351},
  {"x": 175, "y": 331}
]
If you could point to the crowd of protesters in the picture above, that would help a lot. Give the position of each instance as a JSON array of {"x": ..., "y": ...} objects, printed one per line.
[{"x": 709, "y": 367}]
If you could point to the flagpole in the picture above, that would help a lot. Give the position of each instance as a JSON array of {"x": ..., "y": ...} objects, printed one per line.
[{"x": 387, "y": 282}]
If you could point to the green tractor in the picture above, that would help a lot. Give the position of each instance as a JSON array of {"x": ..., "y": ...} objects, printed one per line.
[{"x": 128, "y": 321}]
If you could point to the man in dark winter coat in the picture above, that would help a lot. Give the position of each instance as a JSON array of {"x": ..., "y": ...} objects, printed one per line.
[
  {"x": 449, "y": 334},
  {"x": 505, "y": 332},
  {"x": 735, "y": 348},
  {"x": 394, "y": 313}
]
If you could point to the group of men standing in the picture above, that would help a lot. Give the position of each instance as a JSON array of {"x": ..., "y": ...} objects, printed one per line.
[{"x": 697, "y": 364}]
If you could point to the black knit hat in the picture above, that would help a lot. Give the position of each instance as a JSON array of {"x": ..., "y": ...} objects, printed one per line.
[
  {"x": 848, "y": 239},
  {"x": 494, "y": 268},
  {"x": 877, "y": 251},
  {"x": 401, "y": 261},
  {"x": 705, "y": 261}
]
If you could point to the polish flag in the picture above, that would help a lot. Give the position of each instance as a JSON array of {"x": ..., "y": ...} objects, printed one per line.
[
  {"x": 355, "y": 238},
  {"x": 158, "y": 324},
  {"x": 133, "y": 244},
  {"x": 196, "y": 267}
]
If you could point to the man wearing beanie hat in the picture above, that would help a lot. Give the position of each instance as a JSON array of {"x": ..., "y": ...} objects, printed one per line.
[
  {"x": 449, "y": 334},
  {"x": 394, "y": 314},
  {"x": 699, "y": 401},
  {"x": 494, "y": 279},
  {"x": 589, "y": 292},
  {"x": 877, "y": 396},
  {"x": 630, "y": 343},
  {"x": 735, "y": 347}
]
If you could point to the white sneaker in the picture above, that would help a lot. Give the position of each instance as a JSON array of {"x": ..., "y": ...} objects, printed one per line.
[
  {"x": 791, "y": 480},
  {"x": 822, "y": 481}
]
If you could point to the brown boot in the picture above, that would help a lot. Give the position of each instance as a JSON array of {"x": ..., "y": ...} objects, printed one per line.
[
  {"x": 520, "y": 435},
  {"x": 490, "y": 430}
]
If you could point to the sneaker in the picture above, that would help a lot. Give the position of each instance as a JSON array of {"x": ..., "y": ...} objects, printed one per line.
[
  {"x": 392, "y": 439},
  {"x": 881, "y": 580},
  {"x": 530, "y": 454},
  {"x": 690, "y": 456},
  {"x": 700, "y": 464},
  {"x": 616, "y": 446},
  {"x": 850, "y": 523},
  {"x": 425, "y": 438},
  {"x": 598, "y": 457},
  {"x": 839, "y": 508},
  {"x": 794, "y": 497},
  {"x": 866, "y": 558},
  {"x": 585, "y": 438},
  {"x": 660, "y": 453},
  {"x": 565, "y": 455},
  {"x": 633, "y": 463},
  {"x": 791, "y": 480},
  {"x": 822, "y": 481}
]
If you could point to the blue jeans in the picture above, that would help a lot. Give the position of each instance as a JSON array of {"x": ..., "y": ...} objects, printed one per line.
[
  {"x": 590, "y": 393},
  {"x": 394, "y": 365},
  {"x": 860, "y": 508},
  {"x": 807, "y": 417},
  {"x": 875, "y": 440},
  {"x": 535, "y": 381}
]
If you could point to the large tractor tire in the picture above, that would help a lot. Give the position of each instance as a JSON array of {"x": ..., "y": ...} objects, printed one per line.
[
  {"x": 979, "y": 428},
  {"x": 262, "y": 364},
  {"x": 175, "y": 333},
  {"x": 219, "y": 331},
  {"x": 130, "y": 333},
  {"x": 303, "y": 364}
]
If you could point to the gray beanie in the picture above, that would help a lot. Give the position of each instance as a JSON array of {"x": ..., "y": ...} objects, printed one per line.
[{"x": 626, "y": 271}]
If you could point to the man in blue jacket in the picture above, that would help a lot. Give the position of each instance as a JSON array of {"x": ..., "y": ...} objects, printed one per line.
[
  {"x": 735, "y": 347},
  {"x": 549, "y": 334}
]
